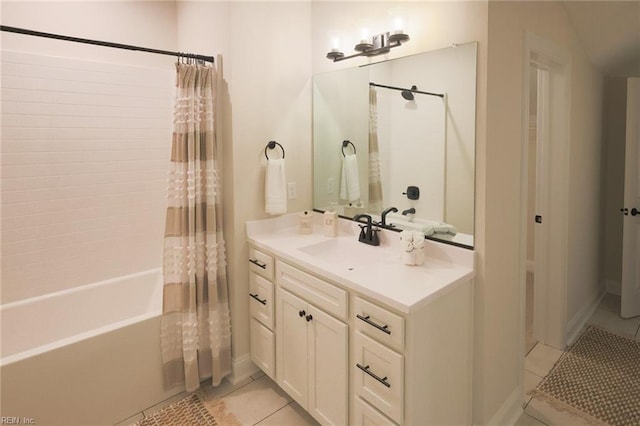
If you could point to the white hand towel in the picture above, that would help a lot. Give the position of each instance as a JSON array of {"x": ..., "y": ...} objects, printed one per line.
[
  {"x": 275, "y": 187},
  {"x": 418, "y": 239},
  {"x": 350, "y": 179}
]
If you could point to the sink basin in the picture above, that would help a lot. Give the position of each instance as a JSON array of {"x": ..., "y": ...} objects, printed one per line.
[{"x": 342, "y": 251}]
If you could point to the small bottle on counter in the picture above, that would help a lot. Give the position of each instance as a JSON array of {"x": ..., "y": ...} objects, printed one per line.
[
  {"x": 305, "y": 223},
  {"x": 330, "y": 219}
]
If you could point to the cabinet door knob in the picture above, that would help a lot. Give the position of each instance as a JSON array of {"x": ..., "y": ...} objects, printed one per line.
[
  {"x": 301, "y": 313},
  {"x": 309, "y": 317}
]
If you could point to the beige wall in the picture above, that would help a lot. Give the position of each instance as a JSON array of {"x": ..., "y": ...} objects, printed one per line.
[
  {"x": 497, "y": 316},
  {"x": 266, "y": 96}
]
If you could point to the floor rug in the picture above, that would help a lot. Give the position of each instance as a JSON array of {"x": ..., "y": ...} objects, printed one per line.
[
  {"x": 597, "y": 378},
  {"x": 188, "y": 411}
]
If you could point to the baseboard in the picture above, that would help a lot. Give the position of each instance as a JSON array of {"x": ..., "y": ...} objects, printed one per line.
[
  {"x": 242, "y": 367},
  {"x": 531, "y": 266},
  {"x": 510, "y": 411},
  {"x": 613, "y": 287},
  {"x": 577, "y": 323}
]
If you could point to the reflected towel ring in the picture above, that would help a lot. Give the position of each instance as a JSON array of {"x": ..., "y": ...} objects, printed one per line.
[
  {"x": 347, "y": 143},
  {"x": 272, "y": 145}
]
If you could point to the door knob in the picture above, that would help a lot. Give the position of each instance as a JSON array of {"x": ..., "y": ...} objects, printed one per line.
[
  {"x": 635, "y": 212},
  {"x": 301, "y": 313}
]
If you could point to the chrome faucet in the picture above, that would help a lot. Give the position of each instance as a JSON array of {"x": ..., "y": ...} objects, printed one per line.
[
  {"x": 368, "y": 234},
  {"x": 384, "y": 214}
]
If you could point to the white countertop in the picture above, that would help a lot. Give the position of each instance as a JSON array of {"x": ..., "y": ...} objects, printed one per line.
[{"x": 377, "y": 272}]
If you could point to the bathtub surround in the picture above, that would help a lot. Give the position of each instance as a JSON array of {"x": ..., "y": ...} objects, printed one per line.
[{"x": 196, "y": 328}]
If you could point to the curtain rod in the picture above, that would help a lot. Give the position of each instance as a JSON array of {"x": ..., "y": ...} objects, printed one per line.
[
  {"x": 408, "y": 90},
  {"x": 104, "y": 43}
]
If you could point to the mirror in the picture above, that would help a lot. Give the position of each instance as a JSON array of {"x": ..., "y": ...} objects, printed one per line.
[{"x": 400, "y": 133}]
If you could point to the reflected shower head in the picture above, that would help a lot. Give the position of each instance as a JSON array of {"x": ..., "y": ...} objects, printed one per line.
[{"x": 407, "y": 94}]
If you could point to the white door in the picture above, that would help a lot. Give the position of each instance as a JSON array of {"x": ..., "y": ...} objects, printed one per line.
[
  {"x": 541, "y": 236},
  {"x": 328, "y": 368},
  {"x": 291, "y": 346},
  {"x": 631, "y": 228}
]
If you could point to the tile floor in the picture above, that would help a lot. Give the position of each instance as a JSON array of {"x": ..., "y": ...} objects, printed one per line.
[
  {"x": 259, "y": 401},
  {"x": 255, "y": 401},
  {"x": 541, "y": 359}
]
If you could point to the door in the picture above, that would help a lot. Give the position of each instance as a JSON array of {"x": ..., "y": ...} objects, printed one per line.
[
  {"x": 541, "y": 237},
  {"x": 328, "y": 368},
  {"x": 630, "y": 305},
  {"x": 291, "y": 346}
]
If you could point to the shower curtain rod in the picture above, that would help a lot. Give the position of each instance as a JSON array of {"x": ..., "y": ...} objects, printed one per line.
[
  {"x": 408, "y": 90},
  {"x": 105, "y": 43}
]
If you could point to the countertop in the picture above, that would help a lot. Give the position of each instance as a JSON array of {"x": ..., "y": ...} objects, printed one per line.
[{"x": 376, "y": 272}]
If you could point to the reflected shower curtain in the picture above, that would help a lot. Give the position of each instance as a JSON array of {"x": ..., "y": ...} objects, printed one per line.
[
  {"x": 375, "y": 181},
  {"x": 196, "y": 330}
]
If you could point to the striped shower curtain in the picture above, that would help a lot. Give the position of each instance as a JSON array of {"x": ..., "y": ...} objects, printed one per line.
[
  {"x": 196, "y": 330},
  {"x": 375, "y": 181}
]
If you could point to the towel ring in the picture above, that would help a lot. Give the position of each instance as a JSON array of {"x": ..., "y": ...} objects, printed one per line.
[
  {"x": 347, "y": 143},
  {"x": 272, "y": 145}
]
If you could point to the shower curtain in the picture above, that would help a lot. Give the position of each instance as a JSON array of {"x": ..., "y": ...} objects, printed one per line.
[
  {"x": 375, "y": 181},
  {"x": 195, "y": 324}
]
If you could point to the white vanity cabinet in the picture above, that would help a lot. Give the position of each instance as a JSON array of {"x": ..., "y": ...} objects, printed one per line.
[
  {"x": 312, "y": 346},
  {"x": 356, "y": 337},
  {"x": 261, "y": 308}
]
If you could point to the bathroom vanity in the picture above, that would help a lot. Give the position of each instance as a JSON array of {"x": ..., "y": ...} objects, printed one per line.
[{"x": 352, "y": 334}]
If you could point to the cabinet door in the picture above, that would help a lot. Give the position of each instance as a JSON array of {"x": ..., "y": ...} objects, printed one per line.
[
  {"x": 366, "y": 415},
  {"x": 261, "y": 299},
  {"x": 291, "y": 346},
  {"x": 262, "y": 348},
  {"x": 328, "y": 368},
  {"x": 379, "y": 376}
]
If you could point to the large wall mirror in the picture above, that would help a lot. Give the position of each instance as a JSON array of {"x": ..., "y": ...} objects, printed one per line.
[{"x": 400, "y": 134}]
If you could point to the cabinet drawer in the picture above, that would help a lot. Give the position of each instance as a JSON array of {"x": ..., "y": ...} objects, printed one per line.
[
  {"x": 261, "y": 299},
  {"x": 379, "y": 373},
  {"x": 314, "y": 290},
  {"x": 379, "y": 323},
  {"x": 263, "y": 348},
  {"x": 366, "y": 415},
  {"x": 261, "y": 263}
]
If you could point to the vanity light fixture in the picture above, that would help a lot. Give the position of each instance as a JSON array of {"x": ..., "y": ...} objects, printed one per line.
[{"x": 379, "y": 44}]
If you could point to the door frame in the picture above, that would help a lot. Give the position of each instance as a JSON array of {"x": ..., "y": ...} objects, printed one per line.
[{"x": 553, "y": 306}]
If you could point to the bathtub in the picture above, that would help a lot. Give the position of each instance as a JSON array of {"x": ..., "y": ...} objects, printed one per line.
[{"x": 84, "y": 356}]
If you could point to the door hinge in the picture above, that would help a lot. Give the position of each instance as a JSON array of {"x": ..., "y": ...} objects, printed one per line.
[{"x": 538, "y": 218}]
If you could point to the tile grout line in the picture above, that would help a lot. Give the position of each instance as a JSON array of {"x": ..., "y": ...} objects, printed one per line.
[{"x": 279, "y": 409}]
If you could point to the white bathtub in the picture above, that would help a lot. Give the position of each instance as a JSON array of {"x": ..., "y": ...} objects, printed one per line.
[{"x": 85, "y": 356}]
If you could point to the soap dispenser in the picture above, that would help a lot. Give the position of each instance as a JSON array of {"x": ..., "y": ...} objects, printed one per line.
[
  {"x": 330, "y": 219},
  {"x": 305, "y": 223}
]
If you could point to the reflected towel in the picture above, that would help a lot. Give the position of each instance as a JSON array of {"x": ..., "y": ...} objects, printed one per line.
[
  {"x": 275, "y": 187},
  {"x": 350, "y": 180},
  {"x": 440, "y": 228}
]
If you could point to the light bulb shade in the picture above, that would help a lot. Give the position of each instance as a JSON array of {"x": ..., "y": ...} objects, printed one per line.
[
  {"x": 363, "y": 47},
  {"x": 334, "y": 54},
  {"x": 398, "y": 37}
]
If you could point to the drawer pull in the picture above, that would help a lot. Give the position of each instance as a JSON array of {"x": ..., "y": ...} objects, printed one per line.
[
  {"x": 381, "y": 380},
  {"x": 255, "y": 296},
  {"x": 258, "y": 263},
  {"x": 383, "y": 328}
]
